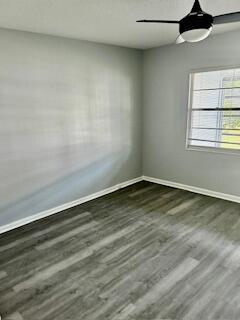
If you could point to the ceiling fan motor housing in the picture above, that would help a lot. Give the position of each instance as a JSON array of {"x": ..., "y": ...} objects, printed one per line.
[{"x": 193, "y": 21}]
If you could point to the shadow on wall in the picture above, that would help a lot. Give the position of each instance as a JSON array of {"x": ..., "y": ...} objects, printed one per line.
[{"x": 79, "y": 183}]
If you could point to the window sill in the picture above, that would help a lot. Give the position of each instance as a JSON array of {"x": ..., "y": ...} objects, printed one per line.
[{"x": 214, "y": 150}]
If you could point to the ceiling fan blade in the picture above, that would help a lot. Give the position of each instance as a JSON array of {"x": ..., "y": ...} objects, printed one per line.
[
  {"x": 180, "y": 39},
  {"x": 227, "y": 18},
  {"x": 159, "y": 21}
]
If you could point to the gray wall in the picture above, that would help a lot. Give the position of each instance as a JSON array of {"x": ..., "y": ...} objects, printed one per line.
[
  {"x": 70, "y": 120},
  {"x": 166, "y": 71}
]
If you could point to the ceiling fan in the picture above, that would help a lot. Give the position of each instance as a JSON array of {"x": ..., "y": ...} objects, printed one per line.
[{"x": 197, "y": 25}]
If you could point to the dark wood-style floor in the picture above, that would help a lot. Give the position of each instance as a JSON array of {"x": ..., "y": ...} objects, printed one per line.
[{"x": 143, "y": 252}]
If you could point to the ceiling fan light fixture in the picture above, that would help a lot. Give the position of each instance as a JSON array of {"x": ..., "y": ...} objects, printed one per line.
[
  {"x": 197, "y": 25},
  {"x": 196, "y": 35}
]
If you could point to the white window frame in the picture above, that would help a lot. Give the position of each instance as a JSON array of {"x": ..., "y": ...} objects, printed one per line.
[{"x": 189, "y": 114}]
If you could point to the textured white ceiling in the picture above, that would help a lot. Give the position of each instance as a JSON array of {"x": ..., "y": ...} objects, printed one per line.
[{"x": 107, "y": 21}]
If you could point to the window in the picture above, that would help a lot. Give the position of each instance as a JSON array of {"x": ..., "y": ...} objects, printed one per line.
[{"x": 214, "y": 110}]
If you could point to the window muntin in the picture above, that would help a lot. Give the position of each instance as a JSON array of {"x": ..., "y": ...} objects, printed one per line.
[{"x": 214, "y": 110}]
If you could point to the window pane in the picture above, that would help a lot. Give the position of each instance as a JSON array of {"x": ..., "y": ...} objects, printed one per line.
[
  {"x": 206, "y": 134},
  {"x": 215, "y": 110},
  {"x": 217, "y": 79},
  {"x": 204, "y": 144},
  {"x": 226, "y": 98},
  {"x": 207, "y": 119}
]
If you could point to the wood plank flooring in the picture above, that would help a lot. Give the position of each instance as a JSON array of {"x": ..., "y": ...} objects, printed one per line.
[{"x": 146, "y": 252}]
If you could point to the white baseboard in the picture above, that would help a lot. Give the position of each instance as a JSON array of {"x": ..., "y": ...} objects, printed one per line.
[
  {"x": 116, "y": 187},
  {"x": 65, "y": 206},
  {"x": 206, "y": 192}
]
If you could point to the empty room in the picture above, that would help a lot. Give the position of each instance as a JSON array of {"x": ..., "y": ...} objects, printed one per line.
[{"x": 120, "y": 160}]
